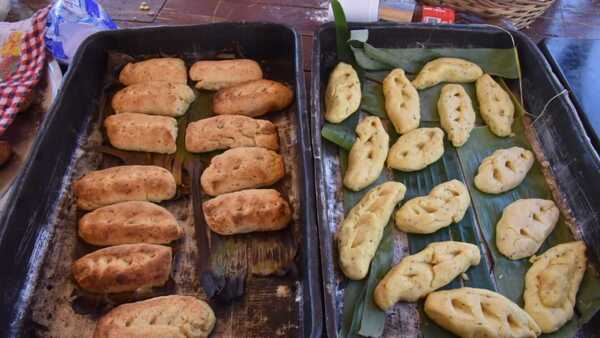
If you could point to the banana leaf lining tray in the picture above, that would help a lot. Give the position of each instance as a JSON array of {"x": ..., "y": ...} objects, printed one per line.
[
  {"x": 268, "y": 283},
  {"x": 567, "y": 166}
]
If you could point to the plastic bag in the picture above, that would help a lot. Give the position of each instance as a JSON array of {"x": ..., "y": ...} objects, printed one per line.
[{"x": 70, "y": 22}]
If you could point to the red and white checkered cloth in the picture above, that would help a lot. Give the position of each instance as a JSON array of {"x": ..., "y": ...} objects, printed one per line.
[{"x": 15, "y": 89}]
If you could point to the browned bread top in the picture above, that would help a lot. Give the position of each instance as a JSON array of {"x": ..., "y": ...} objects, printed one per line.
[
  {"x": 218, "y": 74},
  {"x": 253, "y": 98},
  {"x": 123, "y": 268},
  {"x": 155, "y": 98},
  {"x": 161, "y": 317},
  {"x": 124, "y": 183},
  {"x": 242, "y": 168},
  {"x": 129, "y": 222},
  {"x": 230, "y": 131},
  {"x": 247, "y": 211},
  {"x": 157, "y": 69}
]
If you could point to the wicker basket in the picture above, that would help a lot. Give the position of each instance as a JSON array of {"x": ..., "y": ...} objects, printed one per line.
[{"x": 520, "y": 12}]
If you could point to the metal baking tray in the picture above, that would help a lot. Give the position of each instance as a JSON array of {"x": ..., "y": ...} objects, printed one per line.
[
  {"x": 38, "y": 239},
  {"x": 571, "y": 157}
]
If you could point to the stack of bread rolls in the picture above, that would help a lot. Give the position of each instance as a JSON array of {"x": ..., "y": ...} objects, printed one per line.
[
  {"x": 123, "y": 216},
  {"x": 250, "y": 161}
]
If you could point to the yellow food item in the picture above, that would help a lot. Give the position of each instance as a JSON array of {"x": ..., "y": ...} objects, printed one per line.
[
  {"x": 141, "y": 132},
  {"x": 551, "y": 285},
  {"x": 445, "y": 204},
  {"x": 368, "y": 154},
  {"x": 446, "y": 70},
  {"x": 424, "y": 272},
  {"x": 401, "y": 101},
  {"x": 342, "y": 96},
  {"x": 524, "y": 226},
  {"x": 479, "y": 313},
  {"x": 495, "y": 106},
  {"x": 416, "y": 149},
  {"x": 504, "y": 170},
  {"x": 361, "y": 231},
  {"x": 457, "y": 116},
  {"x": 158, "y": 69},
  {"x": 252, "y": 98}
]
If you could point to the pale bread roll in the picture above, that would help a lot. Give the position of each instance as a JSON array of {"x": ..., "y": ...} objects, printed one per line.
[
  {"x": 254, "y": 98},
  {"x": 128, "y": 223},
  {"x": 215, "y": 75},
  {"x": 247, "y": 211},
  {"x": 124, "y": 183},
  {"x": 161, "y": 317},
  {"x": 230, "y": 131},
  {"x": 154, "y": 98},
  {"x": 158, "y": 69},
  {"x": 242, "y": 168},
  {"x": 123, "y": 268},
  {"x": 141, "y": 132}
]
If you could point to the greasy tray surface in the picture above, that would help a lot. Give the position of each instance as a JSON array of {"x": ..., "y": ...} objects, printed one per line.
[
  {"x": 38, "y": 229},
  {"x": 559, "y": 133}
]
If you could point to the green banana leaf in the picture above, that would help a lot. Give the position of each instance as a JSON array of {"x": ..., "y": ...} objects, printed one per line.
[{"x": 498, "y": 62}]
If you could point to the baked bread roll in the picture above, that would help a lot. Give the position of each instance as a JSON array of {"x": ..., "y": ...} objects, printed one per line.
[
  {"x": 215, "y": 75},
  {"x": 154, "y": 98},
  {"x": 446, "y": 70},
  {"x": 124, "y": 183},
  {"x": 230, "y": 131},
  {"x": 158, "y": 69},
  {"x": 161, "y": 317},
  {"x": 247, "y": 211},
  {"x": 445, "y": 204},
  {"x": 242, "y": 168},
  {"x": 479, "y": 313},
  {"x": 416, "y": 149},
  {"x": 343, "y": 95},
  {"x": 402, "y": 104},
  {"x": 253, "y": 98},
  {"x": 457, "y": 116},
  {"x": 141, "y": 132},
  {"x": 368, "y": 154},
  {"x": 551, "y": 285},
  {"x": 524, "y": 226},
  {"x": 362, "y": 229},
  {"x": 129, "y": 222},
  {"x": 123, "y": 268},
  {"x": 503, "y": 170},
  {"x": 495, "y": 106},
  {"x": 424, "y": 272}
]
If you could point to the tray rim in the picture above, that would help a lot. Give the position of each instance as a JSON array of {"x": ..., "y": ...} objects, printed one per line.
[
  {"x": 311, "y": 311},
  {"x": 325, "y": 244}
]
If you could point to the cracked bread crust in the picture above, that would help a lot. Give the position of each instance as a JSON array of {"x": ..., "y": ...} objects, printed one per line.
[
  {"x": 123, "y": 268},
  {"x": 253, "y": 98},
  {"x": 242, "y": 168},
  {"x": 157, "y": 69},
  {"x": 124, "y": 183},
  {"x": 247, "y": 211},
  {"x": 160, "y": 317},
  {"x": 230, "y": 131}
]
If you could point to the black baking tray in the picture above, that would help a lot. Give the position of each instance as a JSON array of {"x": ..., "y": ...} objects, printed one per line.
[
  {"x": 570, "y": 154},
  {"x": 26, "y": 226}
]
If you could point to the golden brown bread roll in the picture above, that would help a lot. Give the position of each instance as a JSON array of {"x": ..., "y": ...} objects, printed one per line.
[
  {"x": 123, "y": 268},
  {"x": 129, "y": 222},
  {"x": 154, "y": 98},
  {"x": 230, "y": 131},
  {"x": 254, "y": 98},
  {"x": 215, "y": 75},
  {"x": 242, "y": 168},
  {"x": 247, "y": 211},
  {"x": 161, "y": 317},
  {"x": 141, "y": 132},
  {"x": 124, "y": 183},
  {"x": 158, "y": 69}
]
